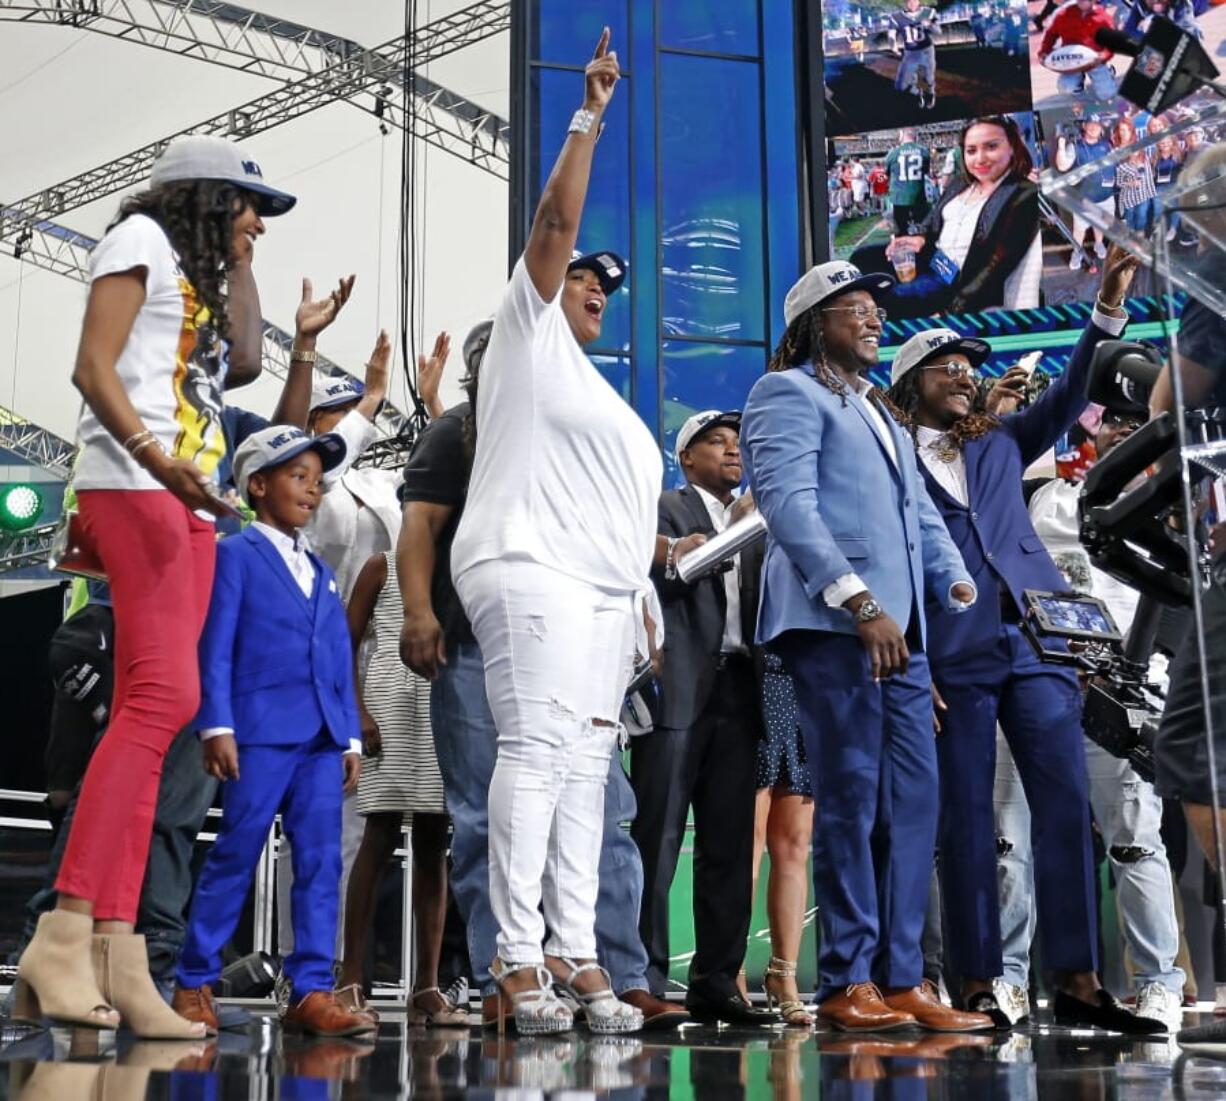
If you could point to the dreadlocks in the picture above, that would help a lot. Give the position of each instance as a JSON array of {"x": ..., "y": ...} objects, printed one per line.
[
  {"x": 802, "y": 343},
  {"x": 903, "y": 400}
]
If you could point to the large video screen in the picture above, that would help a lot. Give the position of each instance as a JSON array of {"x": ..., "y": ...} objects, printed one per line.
[{"x": 928, "y": 103}]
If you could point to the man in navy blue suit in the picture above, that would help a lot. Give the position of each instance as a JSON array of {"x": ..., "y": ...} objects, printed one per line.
[
  {"x": 854, "y": 545},
  {"x": 279, "y": 721},
  {"x": 986, "y": 671}
]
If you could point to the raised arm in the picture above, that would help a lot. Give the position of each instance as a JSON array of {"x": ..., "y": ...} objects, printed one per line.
[
  {"x": 556, "y": 225},
  {"x": 312, "y": 317}
]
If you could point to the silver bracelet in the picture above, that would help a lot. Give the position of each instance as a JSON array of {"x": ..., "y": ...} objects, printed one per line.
[{"x": 582, "y": 121}]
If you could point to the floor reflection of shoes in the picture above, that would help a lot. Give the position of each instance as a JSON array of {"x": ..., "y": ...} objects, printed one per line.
[
  {"x": 166, "y": 1055},
  {"x": 543, "y": 1063},
  {"x": 608, "y": 1059},
  {"x": 327, "y": 1058},
  {"x": 938, "y": 1045},
  {"x": 52, "y": 1081},
  {"x": 1016, "y": 1049}
]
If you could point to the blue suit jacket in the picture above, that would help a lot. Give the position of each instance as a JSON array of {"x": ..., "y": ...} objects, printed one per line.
[
  {"x": 275, "y": 666},
  {"x": 834, "y": 504},
  {"x": 995, "y": 535}
]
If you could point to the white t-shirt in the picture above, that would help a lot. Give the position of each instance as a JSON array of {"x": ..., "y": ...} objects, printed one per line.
[
  {"x": 173, "y": 365},
  {"x": 565, "y": 473}
]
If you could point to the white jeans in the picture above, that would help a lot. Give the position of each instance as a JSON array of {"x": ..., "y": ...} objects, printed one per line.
[{"x": 558, "y": 656}]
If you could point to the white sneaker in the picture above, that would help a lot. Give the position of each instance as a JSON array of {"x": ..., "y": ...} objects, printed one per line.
[
  {"x": 1074, "y": 263},
  {"x": 1100, "y": 249},
  {"x": 1219, "y": 999},
  {"x": 1156, "y": 1003},
  {"x": 1014, "y": 1001}
]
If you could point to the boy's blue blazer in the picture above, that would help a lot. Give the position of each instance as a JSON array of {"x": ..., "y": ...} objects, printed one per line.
[{"x": 275, "y": 666}]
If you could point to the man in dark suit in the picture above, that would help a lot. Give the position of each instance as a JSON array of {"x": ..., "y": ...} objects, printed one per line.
[
  {"x": 985, "y": 672},
  {"x": 702, "y": 752}
]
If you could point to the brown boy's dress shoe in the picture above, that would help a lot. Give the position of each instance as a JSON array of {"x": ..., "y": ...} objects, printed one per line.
[
  {"x": 196, "y": 1004},
  {"x": 320, "y": 1014},
  {"x": 860, "y": 1008},
  {"x": 925, "y": 1006},
  {"x": 658, "y": 1015}
]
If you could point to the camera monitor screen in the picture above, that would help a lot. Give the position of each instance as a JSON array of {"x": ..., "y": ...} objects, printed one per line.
[{"x": 1071, "y": 615}]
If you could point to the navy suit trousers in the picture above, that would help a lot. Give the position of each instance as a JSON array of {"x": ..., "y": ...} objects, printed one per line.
[
  {"x": 1039, "y": 709},
  {"x": 873, "y": 765},
  {"x": 303, "y": 782}
]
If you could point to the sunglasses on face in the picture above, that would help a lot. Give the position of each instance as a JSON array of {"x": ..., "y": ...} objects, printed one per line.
[
  {"x": 1123, "y": 420},
  {"x": 863, "y": 313},
  {"x": 952, "y": 369}
]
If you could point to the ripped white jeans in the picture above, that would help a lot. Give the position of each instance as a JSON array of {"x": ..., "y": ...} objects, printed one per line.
[{"x": 558, "y": 656}]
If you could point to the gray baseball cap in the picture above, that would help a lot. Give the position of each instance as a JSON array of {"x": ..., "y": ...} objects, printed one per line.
[
  {"x": 931, "y": 343},
  {"x": 277, "y": 444},
  {"x": 204, "y": 157},
  {"x": 829, "y": 280},
  {"x": 335, "y": 391}
]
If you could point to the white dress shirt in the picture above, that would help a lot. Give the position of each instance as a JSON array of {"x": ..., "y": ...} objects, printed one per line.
[
  {"x": 951, "y": 475},
  {"x": 734, "y": 640},
  {"x": 293, "y": 552}
]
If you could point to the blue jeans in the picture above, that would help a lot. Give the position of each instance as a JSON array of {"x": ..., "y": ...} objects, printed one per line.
[
  {"x": 1129, "y": 815},
  {"x": 465, "y": 742},
  {"x": 1101, "y": 80}
]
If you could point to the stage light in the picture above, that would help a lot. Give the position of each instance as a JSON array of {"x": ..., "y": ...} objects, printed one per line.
[{"x": 20, "y": 507}]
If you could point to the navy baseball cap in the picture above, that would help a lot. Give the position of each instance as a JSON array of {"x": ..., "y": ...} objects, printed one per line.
[{"x": 610, "y": 268}]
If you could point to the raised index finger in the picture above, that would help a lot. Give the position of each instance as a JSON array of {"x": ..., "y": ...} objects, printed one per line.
[{"x": 602, "y": 47}]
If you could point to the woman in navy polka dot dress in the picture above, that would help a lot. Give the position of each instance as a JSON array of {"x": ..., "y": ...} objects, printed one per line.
[{"x": 783, "y": 826}]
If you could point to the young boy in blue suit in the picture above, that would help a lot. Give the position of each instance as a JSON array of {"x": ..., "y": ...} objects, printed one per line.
[{"x": 279, "y": 721}]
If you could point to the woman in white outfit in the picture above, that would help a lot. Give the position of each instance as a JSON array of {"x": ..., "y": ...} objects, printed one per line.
[{"x": 551, "y": 563}]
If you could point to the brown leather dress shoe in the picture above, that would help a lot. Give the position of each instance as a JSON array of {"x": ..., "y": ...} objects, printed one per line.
[
  {"x": 196, "y": 1004},
  {"x": 658, "y": 1015},
  {"x": 860, "y": 1008},
  {"x": 924, "y": 1004},
  {"x": 320, "y": 1014}
]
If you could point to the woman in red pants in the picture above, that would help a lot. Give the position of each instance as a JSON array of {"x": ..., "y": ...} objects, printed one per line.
[{"x": 172, "y": 319}]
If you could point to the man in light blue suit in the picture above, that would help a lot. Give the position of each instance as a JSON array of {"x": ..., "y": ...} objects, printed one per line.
[
  {"x": 855, "y": 546},
  {"x": 279, "y": 721}
]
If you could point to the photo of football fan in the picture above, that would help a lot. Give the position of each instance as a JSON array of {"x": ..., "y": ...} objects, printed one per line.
[
  {"x": 1067, "y": 64},
  {"x": 911, "y": 62}
]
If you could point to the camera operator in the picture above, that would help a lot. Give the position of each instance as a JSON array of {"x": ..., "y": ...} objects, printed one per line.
[
  {"x": 1181, "y": 748},
  {"x": 1126, "y": 808}
]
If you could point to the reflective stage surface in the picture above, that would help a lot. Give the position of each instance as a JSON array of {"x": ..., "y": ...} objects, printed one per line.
[{"x": 697, "y": 1062}]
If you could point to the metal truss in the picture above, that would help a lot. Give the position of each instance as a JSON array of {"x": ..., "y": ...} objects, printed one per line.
[
  {"x": 64, "y": 251},
  {"x": 26, "y": 548},
  {"x": 443, "y": 120},
  {"x": 35, "y": 445},
  {"x": 200, "y": 29},
  {"x": 238, "y": 38}
]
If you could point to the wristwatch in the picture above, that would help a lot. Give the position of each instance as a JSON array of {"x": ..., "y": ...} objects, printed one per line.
[
  {"x": 670, "y": 561},
  {"x": 868, "y": 611}
]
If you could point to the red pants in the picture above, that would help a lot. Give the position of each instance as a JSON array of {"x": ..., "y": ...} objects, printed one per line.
[{"x": 159, "y": 561}]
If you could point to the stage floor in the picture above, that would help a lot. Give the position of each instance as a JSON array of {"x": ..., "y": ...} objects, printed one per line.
[{"x": 1041, "y": 1061}]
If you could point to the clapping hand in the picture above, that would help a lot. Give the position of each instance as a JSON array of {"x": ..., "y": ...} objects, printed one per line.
[
  {"x": 430, "y": 373},
  {"x": 315, "y": 315}
]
